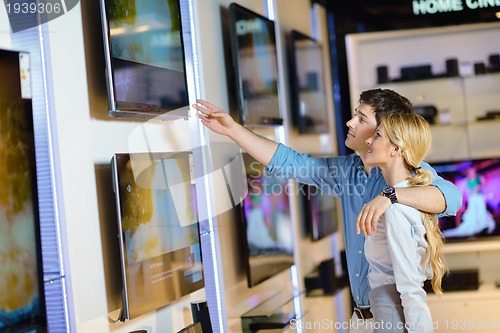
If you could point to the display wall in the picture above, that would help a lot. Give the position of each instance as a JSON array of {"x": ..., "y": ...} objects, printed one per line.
[{"x": 86, "y": 138}]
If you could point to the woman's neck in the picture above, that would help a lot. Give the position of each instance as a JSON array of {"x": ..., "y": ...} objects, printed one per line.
[{"x": 395, "y": 173}]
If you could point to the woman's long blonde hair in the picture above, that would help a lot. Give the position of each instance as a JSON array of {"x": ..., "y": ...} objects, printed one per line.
[{"x": 411, "y": 133}]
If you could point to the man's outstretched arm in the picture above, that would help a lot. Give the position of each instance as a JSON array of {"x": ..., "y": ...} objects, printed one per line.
[{"x": 260, "y": 148}]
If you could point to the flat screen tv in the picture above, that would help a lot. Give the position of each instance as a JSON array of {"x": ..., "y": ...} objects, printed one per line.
[
  {"x": 22, "y": 300},
  {"x": 158, "y": 229},
  {"x": 145, "y": 61},
  {"x": 253, "y": 48},
  {"x": 308, "y": 94},
  {"x": 321, "y": 212},
  {"x": 268, "y": 235},
  {"x": 479, "y": 183}
]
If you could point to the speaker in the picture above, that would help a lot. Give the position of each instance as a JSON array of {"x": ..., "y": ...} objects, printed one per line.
[
  {"x": 327, "y": 276},
  {"x": 452, "y": 67},
  {"x": 479, "y": 68},
  {"x": 312, "y": 282},
  {"x": 200, "y": 313},
  {"x": 382, "y": 74},
  {"x": 343, "y": 260},
  {"x": 494, "y": 61},
  {"x": 429, "y": 112},
  {"x": 465, "y": 279}
]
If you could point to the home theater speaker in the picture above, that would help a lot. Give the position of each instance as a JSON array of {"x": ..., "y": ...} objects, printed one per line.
[
  {"x": 328, "y": 276},
  {"x": 494, "y": 62},
  {"x": 382, "y": 74},
  {"x": 200, "y": 313},
  {"x": 452, "y": 67}
]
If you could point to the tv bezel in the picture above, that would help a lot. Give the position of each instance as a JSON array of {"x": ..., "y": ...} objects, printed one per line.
[
  {"x": 235, "y": 57},
  {"x": 295, "y": 89},
  {"x": 39, "y": 321},
  {"x": 139, "y": 110},
  {"x": 471, "y": 238},
  {"x": 246, "y": 255},
  {"x": 126, "y": 313}
]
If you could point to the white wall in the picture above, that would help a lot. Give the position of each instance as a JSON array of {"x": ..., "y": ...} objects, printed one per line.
[{"x": 4, "y": 29}]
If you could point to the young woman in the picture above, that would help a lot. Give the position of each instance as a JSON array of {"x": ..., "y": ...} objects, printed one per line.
[{"x": 405, "y": 250}]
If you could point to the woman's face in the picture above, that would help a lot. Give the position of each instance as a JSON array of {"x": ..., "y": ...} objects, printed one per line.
[{"x": 379, "y": 148}]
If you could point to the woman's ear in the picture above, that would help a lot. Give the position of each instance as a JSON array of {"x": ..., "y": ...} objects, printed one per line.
[{"x": 396, "y": 151}]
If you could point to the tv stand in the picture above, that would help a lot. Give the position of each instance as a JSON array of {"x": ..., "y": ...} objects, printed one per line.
[{"x": 274, "y": 313}]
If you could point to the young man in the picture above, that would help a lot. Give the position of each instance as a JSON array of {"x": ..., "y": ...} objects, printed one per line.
[{"x": 363, "y": 192}]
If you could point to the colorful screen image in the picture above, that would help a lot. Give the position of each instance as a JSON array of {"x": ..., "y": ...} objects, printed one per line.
[
  {"x": 160, "y": 239},
  {"x": 255, "y": 60},
  {"x": 321, "y": 212},
  {"x": 147, "y": 54},
  {"x": 308, "y": 88},
  {"x": 268, "y": 224},
  {"x": 21, "y": 299},
  {"x": 479, "y": 183}
]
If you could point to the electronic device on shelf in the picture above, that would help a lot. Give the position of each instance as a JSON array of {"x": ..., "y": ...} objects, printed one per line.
[
  {"x": 267, "y": 224},
  {"x": 456, "y": 280},
  {"x": 429, "y": 112},
  {"x": 321, "y": 212},
  {"x": 254, "y": 59},
  {"x": 145, "y": 60},
  {"x": 193, "y": 328},
  {"x": 158, "y": 229},
  {"x": 308, "y": 94},
  {"x": 479, "y": 183},
  {"x": 22, "y": 305}
]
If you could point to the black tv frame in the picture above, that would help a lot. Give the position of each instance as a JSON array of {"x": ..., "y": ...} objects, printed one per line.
[
  {"x": 306, "y": 192},
  {"x": 122, "y": 109},
  {"x": 235, "y": 56},
  {"x": 479, "y": 236},
  {"x": 303, "y": 123},
  {"x": 246, "y": 252}
]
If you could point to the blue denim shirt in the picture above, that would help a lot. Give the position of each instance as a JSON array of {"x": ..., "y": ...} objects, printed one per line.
[{"x": 344, "y": 177}]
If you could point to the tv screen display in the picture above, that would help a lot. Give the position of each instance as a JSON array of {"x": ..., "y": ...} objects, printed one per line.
[
  {"x": 479, "y": 183},
  {"x": 158, "y": 229},
  {"x": 268, "y": 226},
  {"x": 321, "y": 212},
  {"x": 22, "y": 303},
  {"x": 144, "y": 53},
  {"x": 253, "y": 46},
  {"x": 308, "y": 95}
]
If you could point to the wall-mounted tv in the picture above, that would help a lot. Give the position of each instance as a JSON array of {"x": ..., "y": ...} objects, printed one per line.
[
  {"x": 479, "y": 183},
  {"x": 321, "y": 212},
  {"x": 268, "y": 235},
  {"x": 145, "y": 61},
  {"x": 253, "y": 48},
  {"x": 158, "y": 229},
  {"x": 22, "y": 304},
  {"x": 308, "y": 94}
]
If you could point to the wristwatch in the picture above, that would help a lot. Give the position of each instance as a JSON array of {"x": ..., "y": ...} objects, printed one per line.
[{"x": 390, "y": 192}]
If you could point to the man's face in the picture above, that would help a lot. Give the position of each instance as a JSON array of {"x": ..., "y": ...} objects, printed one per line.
[{"x": 360, "y": 128}]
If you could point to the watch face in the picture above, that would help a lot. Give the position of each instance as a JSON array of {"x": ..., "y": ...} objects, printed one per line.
[{"x": 388, "y": 190}]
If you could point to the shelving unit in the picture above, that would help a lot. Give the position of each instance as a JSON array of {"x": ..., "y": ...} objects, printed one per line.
[
  {"x": 457, "y": 135},
  {"x": 462, "y": 99}
]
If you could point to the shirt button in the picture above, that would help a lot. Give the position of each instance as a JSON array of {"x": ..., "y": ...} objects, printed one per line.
[
  {"x": 357, "y": 297},
  {"x": 360, "y": 251},
  {"x": 357, "y": 274}
]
